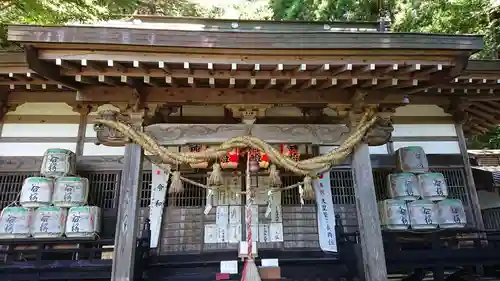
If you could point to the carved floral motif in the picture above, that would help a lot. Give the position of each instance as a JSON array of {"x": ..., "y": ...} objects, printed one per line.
[{"x": 180, "y": 134}]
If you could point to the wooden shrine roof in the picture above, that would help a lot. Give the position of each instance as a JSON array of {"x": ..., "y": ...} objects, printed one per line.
[{"x": 200, "y": 61}]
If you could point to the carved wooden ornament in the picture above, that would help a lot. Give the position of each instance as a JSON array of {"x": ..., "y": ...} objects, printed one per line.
[{"x": 108, "y": 136}]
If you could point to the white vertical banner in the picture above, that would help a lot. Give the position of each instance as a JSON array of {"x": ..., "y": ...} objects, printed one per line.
[
  {"x": 325, "y": 213},
  {"x": 159, "y": 183}
]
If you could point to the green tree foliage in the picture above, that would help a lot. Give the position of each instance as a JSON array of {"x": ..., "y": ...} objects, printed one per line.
[
  {"x": 490, "y": 140},
  {"x": 436, "y": 16},
  {"x": 46, "y": 12}
]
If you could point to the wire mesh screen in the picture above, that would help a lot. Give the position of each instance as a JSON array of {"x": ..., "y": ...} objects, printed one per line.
[
  {"x": 10, "y": 186},
  {"x": 103, "y": 188},
  {"x": 183, "y": 219},
  {"x": 491, "y": 218}
]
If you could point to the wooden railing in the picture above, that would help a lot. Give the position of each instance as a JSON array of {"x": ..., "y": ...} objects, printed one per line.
[{"x": 66, "y": 258}]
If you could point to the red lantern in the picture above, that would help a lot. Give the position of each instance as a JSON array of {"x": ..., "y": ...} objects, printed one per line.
[
  {"x": 290, "y": 150},
  {"x": 260, "y": 157},
  {"x": 198, "y": 148},
  {"x": 230, "y": 160}
]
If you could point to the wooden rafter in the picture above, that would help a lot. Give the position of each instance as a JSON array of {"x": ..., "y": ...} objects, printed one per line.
[{"x": 47, "y": 70}]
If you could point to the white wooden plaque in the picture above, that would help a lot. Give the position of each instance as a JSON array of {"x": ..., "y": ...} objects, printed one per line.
[
  {"x": 269, "y": 262},
  {"x": 159, "y": 182},
  {"x": 222, "y": 216},
  {"x": 261, "y": 197},
  {"x": 222, "y": 234},
  {"x": 255, "y": 233},
  {"x": 230, "y": 267},
  {"x": 276, "y": 213},
  {"x": 264, "y": 233},
  {"x": 276, "y": 230},
  {"x": 235, "y": 214},
  {"x": 255, "y": 214},
  {"x": 210, "y": 233},
  {"x": 234, "y": 233},
  {"x": 244, "y": 248}
]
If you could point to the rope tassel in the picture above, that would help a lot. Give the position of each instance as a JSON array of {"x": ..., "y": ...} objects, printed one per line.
[
  {"x": 308, "y": 188},
  {"x": 215, "y": 178},
  {"x": 176, "y": 186},
  {"x": 274, "y": 176}
]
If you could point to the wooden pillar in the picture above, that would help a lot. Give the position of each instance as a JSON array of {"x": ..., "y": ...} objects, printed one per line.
[
  {"x": 372, "y": 249},
  {"x": 128, "y": 209},
  {"x": 474, "y": 199},
  {"x": 84, "y": 111}
]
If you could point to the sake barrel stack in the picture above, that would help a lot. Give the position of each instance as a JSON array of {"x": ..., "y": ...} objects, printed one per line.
[
  {"x": 394, "y": 214},
  {"x": 58, "y": 162},
  {"x": 433, "y": 186},
  {"x": 83, "y": 221},
  {"x": 451, "y": 214},
  {"x": 15, "y": 222},
  {"x": 49, "y": 222},
  {"x": 403, "y": 186},
  {"x": 423, "y": 214},
  {"x": 412, "y": 159},
  {"x": 70, "y": 192},
  {"x": 36, "y": 192}
]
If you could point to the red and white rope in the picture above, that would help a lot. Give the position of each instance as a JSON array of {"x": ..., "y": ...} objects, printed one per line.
[{"x": 249, "y": 208}]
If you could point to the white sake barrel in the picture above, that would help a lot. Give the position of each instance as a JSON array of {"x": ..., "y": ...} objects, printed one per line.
[
  {"x": 433, "y": 186},
  {"x": 403, "y": 186},
  {"x": 83, "y": 221},
  {"x": 58, "y": 162},
  {"x": 15, "y": 222},
  {"x": 412, "y": 159},
  {"x": 49, "y": 222},
  {"x": 70, "y": 192},
  {"x": 423, "y": 214},
  {"x": 36, "y": 192},
  {"x": 394, "y": 214},
  {"x": 451, "y": 213}
]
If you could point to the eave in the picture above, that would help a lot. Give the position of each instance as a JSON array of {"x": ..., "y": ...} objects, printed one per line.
[
  {"x": 221, "y": 64},
  {"x": 237, "y": 39}
]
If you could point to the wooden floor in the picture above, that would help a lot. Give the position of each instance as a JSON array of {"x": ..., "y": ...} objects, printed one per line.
[{"x": 429, "y": 277}]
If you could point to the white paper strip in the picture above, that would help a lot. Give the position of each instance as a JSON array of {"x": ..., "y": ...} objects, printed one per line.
[
  {"x": 326, "y": 213},
  {"x": 210, "y": 233},
  {"x": 159, "y": 182},
  {"x": 222, "y": 216},
  {"x": 276, "y": 231},
  {"x": 234, "y": 214},
  {"x": 264, "y": 234}
]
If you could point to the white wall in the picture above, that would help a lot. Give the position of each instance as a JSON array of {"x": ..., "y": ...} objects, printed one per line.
[{"x": 17, "y": 136}]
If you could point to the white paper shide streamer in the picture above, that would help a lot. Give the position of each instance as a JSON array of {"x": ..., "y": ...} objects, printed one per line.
[
  {"x": 326, "y": 213},
  {"x": 159, "y": 182}
]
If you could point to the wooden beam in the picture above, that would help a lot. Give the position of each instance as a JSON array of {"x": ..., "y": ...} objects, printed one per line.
[
  {"x": 241, "y": 96},
  {"x": 372, "y": 248},
  {"x": 128, "y": 212},
  {"x": 47, "y": 70},
  {"x": 474, "y": 199},
  {"x": 277, "y": 73}
]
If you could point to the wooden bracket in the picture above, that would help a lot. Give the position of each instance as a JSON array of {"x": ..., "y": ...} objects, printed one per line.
[{"x": 248, "y": 112}]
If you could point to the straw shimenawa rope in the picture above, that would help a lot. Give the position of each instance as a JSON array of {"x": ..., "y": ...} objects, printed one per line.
[{"x": 310, "y": 167}]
